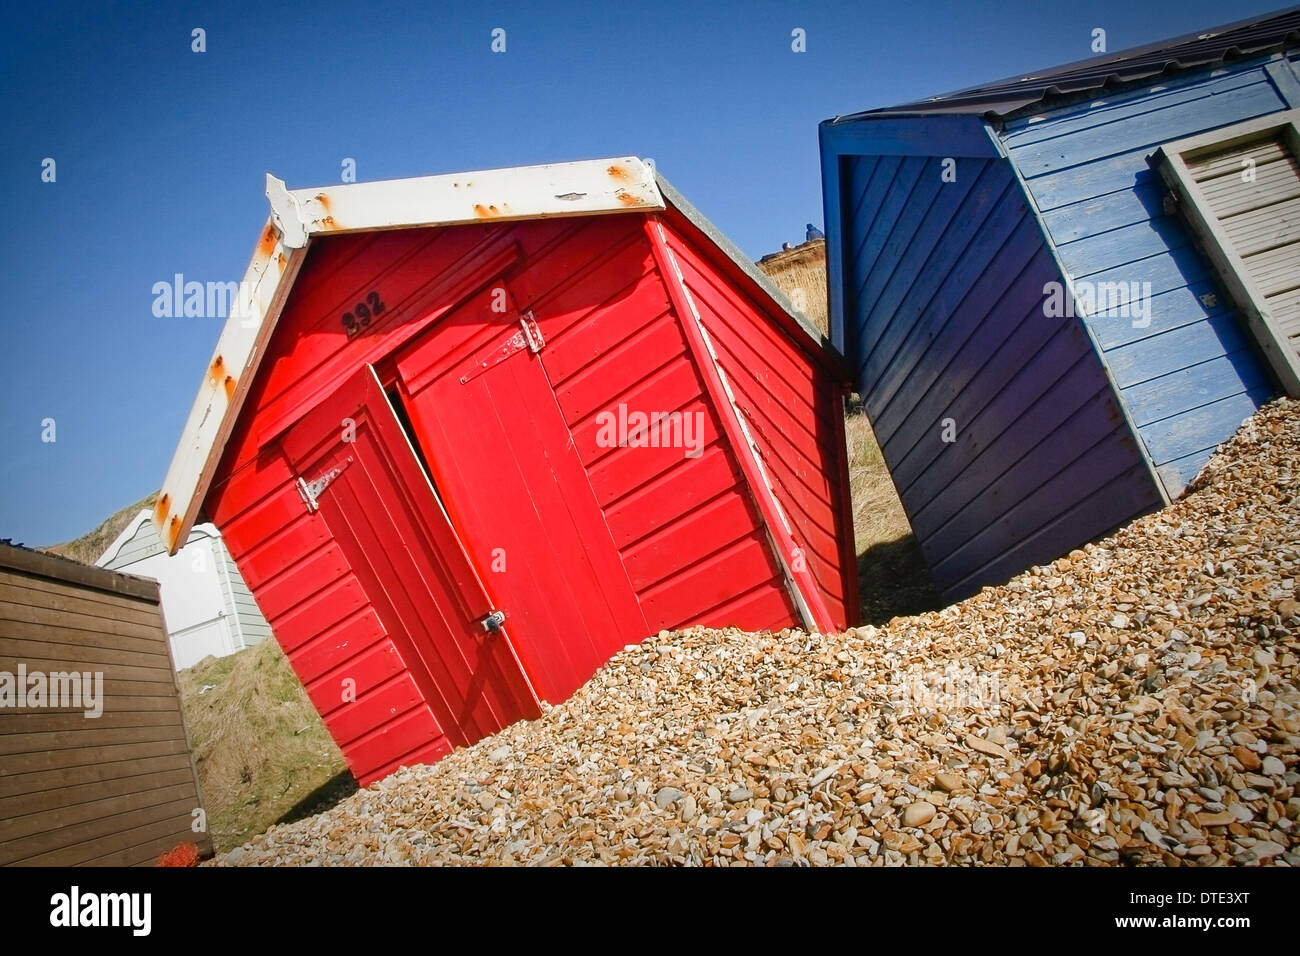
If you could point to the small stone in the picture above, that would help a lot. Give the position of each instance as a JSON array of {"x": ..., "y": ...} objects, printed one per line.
[
  {"x": 688, "y": 808},
  {"x": 949, "y": 782},
  {"x": 740, "y": 795},
  {"x": 1273, "y": 767},
  {"x": 1267, "y": 849},
  {"x": 918, "y": 814},
  {"x": 1070, "y": 854},
  {"x": 1248, "y": 759},
  {"x": 667, "y": 796},
  {"x": 987, "y": 747}
]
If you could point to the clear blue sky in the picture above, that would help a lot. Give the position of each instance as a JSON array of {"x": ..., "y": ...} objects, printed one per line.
[{"x": 161, "y": 155}]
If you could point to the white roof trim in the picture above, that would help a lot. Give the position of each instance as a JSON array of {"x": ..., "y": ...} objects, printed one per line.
[
  {"x": 526, "y": 192},
  {"x": 624, "y": 184}
]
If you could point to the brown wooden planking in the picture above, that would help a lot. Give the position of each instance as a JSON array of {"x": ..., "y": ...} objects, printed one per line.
[
  {"x": 94, "y": 658},
  {"x": 42, "y": 781},
  {"x": 123, "y": 689},
  {"x": 41, "y": 564},
  {"x": 32, "y": 720},
  {"x": 66, "y": 846},
  {"x": 119, "y": 788},
  {"x": 147, "y": 853},
  {"x": 47, "y": 617},
  {"x": 73, "y": 719},
  {"x": 79, "y": 756},
  {"x": 27, "y": 631},
  {"x": 72, "y": 814},
  {"x": 115, "y": 673},
  {"x": 36, "y": 801},
  {"x": 12, "y": 744},
  {"x": 60, "y": 596}
]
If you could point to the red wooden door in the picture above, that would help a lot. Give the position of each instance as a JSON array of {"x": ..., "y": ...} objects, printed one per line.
[
  {"x": 504, "y": 464},
  {"x": 362, "y": 478}
]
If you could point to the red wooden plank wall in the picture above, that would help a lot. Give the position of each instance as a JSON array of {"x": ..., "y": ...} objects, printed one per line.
[
  {"x": 685, "y": 526},
  {"x": 794, "y": 408}
]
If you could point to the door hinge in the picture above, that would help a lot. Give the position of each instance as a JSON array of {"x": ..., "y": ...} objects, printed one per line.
[
  {"x": 312, "y": 490},
  {"x": 491, "y": 623},
  {"x": 529, "y": 337}
]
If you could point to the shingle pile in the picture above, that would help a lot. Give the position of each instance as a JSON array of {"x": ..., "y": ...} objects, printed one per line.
[{"x": 1134, "y": 702}]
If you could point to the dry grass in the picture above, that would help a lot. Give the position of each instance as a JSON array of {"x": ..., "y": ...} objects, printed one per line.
[
  {"x": 262, "y": 752},
  {"x": 801, "y": 274},
  {"x": 91, "y": 545},
  {"x": 893, "y": 580},
  {"x": 878, "y": 515}
]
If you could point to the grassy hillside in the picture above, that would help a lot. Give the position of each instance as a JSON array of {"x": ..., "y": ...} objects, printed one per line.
[
  {"x": 91, "y": 545},
  {"x": 262, "y": 752}
]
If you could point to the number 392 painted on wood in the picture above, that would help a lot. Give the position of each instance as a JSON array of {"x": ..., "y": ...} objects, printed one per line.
[{"x": 359, "y": 318}]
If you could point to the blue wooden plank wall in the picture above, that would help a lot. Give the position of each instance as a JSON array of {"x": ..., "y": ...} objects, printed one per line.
[
  {"x": 944, "y": 298},
  {"x": 1192, "y": 375}
]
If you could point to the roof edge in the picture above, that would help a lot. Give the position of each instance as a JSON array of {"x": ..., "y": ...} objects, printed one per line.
[{"x": 746, "y": 265}]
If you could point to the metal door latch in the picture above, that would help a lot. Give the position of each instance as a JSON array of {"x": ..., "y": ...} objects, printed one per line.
[{"x": 492, "y": 623}]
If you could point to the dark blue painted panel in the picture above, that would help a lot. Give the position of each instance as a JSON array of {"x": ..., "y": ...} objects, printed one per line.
[
  {"x": 894, "y": 274},
  {"x": 950, "y": 269},
  {"x": 969, "y": 288},
  {"x": 1126, "y": 170},
  {"x": 889, "y": 209},
  {"x": 881, "y": 249},
  {"x": 1148, "y": 130},
  {"x": 1176, "y": 92},
  {"x": 1098, "y": 253},
  {"x": 1021, "y": 456},
  {"x": 1165, "y": 272},
  {"x": 1096, "y": 467},
  {"x": 914, "y": 136},
  {"x": 1103, "y": 213},
  {"x": 1179, "y": 348},
  {"x": 960, "y": 378},
  {"x": 1090, "y": 518},
  {"x": 1032, "y": 471},
  {"x": 944, "y": 305},
  {"x": 1169, "y": 310}
]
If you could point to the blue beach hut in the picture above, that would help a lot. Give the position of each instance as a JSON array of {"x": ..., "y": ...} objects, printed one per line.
[{"x": 1060, "y": 292}]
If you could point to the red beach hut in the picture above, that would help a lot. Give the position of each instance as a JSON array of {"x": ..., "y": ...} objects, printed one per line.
[{"x": 467, "y": 436}]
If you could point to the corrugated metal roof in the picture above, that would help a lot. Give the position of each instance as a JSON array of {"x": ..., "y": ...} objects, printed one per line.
[{"x": 1217, "y": 45}]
